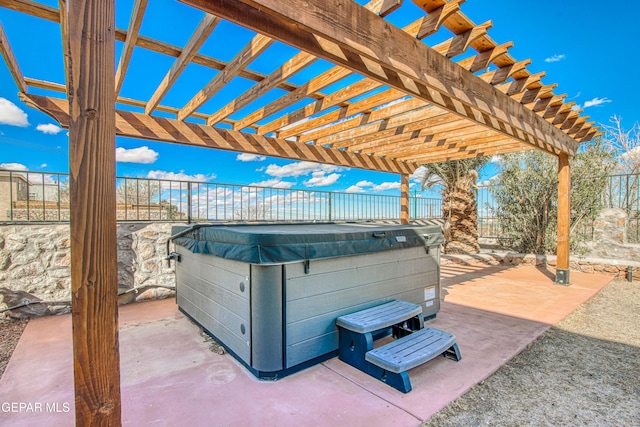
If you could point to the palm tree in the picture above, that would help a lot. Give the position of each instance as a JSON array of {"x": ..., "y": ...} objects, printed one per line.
[{"x": 459, "y": 207}]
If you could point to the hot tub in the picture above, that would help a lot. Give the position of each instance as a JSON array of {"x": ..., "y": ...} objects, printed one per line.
[{"x": 271, "y": 293}]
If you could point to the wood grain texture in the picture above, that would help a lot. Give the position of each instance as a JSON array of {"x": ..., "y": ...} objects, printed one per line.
[
  {"x": 202, "y": 32},
  {"x": 64, "y": 33},
  {"x": 251, "y": 51},
  {"x": 289, "y": 68},
  {"x": 399, "y": 62},
  {"x": 137, "y": 14},
  {"x": 94, "y": 279},
  {"x": 329, "y": 101},
  {"x": 10, "y": 60},
  {"x": 564, "y": 210},
  {"x": 404, "y": 198},
  {"x": 142, "y": 126}
]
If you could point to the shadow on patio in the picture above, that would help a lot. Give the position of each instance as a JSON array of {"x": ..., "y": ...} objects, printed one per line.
[{"x": 171, "y": 377}]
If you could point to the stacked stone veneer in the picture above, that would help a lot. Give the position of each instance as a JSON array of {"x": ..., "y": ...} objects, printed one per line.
[{"x": 36, "y": 259}]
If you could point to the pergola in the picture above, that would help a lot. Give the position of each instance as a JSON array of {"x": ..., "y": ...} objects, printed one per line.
[{"x": 407, "y": 103}]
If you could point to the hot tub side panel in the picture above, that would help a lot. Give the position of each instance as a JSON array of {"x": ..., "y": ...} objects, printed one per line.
[
  {"x": 339, "y": 286},
  {"x": 216, "y": 293}
]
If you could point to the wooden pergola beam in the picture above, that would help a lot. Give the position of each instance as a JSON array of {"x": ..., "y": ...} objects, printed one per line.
[
  {"x": 324, "y": 125},
  {"x": 318, "y": 83},
  {"x": 197, "y": 39},
  {"x": 404, "y": 198},
  {"x": 459, "y": 44},
  {"x": 64, "y": 33},
  {"x": 431, "y": 23},
  {"x": 57, "y": 87},
  {"x": 92, "y": 172},
  {"x": 472, "y": 153},
  {"x": 388, "y": 129},
  {"x": 325, "y": 29},
  {"x": 520, "y": 85},
  {"x": 316, "y": 107},
  {"x": 483, "y": 59},
  {"x": 286, "y": 70},
  {"x": 564, "y": 219},
  {"x": 142, "y": 126},
  {"x": 251, "y": 51},
  {"x": 137, "y": 13},
  {"x": 10, "y": 59},
  {"x": 327, "y": 78},
  {"x": 52, "y": 14}
]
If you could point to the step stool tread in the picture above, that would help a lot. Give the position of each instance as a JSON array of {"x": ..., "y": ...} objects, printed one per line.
[
  {"x": 379, "y": 317},
  {"x": 412, "y": 350}
]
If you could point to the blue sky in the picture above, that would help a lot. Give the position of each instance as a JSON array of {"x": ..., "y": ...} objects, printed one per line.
[{"x": 591, "y": 56}]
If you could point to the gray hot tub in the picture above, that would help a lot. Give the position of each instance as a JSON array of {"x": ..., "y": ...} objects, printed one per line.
[{"x": 271, "y": 293}]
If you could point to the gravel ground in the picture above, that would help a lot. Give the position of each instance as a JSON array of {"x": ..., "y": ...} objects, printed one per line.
[
  {"x": 585, "y": 371},
  {"x": 10, "y": 331}
]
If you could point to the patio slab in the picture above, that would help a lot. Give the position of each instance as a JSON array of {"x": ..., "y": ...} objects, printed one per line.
[{"x": 170, "y": 377}]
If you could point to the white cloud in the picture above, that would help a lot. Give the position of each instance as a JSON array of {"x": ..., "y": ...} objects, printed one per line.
[
  {"x": 595, "y": 102},
  {"x": 321, "y": 179},
  {"x": 12, "y": 115},
  {"x": 418, "y": 174},
  {"x": 49, "y": 128},
  {"x": 143, "y": 155},
  {"x": 386, "y": 186},
  {"x": 246, "y": 157},
  {"x": 274, "y": 183},
  {"x": 33, "y": 177},
  {"x": 299, "y": 169},
  {"x": 13, "y": 166},
  {"x": 180, "y": 176},
  {"x": 360, "y": 187},
  {"x": 44, "y": 165},
  {"x": 354, "y": 189},
  {"x": 555, "y": 58}
]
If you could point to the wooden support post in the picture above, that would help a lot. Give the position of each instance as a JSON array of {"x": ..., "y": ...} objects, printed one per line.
[
  {"x": 404, "y": 199},
  {"x": 564, "y": 209},
  {"x": 94, "y": 280}
]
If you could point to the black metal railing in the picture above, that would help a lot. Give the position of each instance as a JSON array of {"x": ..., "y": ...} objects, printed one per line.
[{"x": 44, "y": 197}]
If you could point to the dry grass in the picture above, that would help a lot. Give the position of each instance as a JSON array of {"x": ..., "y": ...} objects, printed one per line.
[{"x": 585, "y": 371}]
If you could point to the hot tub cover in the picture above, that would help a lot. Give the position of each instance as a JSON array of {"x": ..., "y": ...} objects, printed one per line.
[{"x": 282, "y": 243}]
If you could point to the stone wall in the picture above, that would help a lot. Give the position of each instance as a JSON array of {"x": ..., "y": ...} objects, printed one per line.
[
  {"x": 36, "y": 259},
  {"x": 610, "y": 237},
  {"x": 616, "y": 268}
]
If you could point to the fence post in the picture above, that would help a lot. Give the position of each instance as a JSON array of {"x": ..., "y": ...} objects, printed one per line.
[
  {"x": 189, "y": 202},
  {"x": 330, "y": 206}
]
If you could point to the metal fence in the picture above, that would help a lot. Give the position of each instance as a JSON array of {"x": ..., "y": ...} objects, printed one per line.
[
  {"x": 622, "y": 192},
  {"x": 44, "y": 197},
  {"x": 488, "y": 223}
]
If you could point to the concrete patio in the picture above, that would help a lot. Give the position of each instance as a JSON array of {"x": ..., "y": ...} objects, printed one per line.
[{"x": 170, "y": 377}]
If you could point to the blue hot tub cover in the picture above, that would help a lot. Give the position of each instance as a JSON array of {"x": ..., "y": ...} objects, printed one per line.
[{"x": 292, "y": 242}]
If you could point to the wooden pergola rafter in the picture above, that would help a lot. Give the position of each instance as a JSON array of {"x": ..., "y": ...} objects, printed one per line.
[{"x": 390, "y": 101}]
